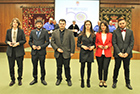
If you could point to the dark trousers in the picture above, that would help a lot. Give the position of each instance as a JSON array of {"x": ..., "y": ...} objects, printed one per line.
[
  {"x": 35, "y": 59},
  {"x": 126, "y": 63},
  {"x": 83, "y": 69},
  {"x": 11, "y": 61},
  {"x": 66, "y": 62},
  {"x": 103, "y": 64}
]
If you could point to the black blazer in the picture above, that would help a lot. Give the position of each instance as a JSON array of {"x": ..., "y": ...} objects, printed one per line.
[
  {"x": 19, "y": 50},
  {"x": 119, "y": 44},
  {"x": 76, "y": 27},
  {"x": 42, "y": 41},
  {"x": 68, "y": 44}
]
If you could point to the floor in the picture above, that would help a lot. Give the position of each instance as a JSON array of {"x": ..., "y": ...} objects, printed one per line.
[{"x": 51, "y": 88}]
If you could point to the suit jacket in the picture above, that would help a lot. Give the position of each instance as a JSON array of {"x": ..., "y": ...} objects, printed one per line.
[
  {"x": 119, "y": 44},
  {"x": 42, "y": 41},
  {"x": 108, "y": 42},
  {"x": 76, "y": 27},
  {"x": 19, "y": 50},
  {"x": 68, "y": 44}
]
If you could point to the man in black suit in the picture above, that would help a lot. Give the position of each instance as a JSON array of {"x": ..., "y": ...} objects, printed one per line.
[
  {"x": 63, "y": 44},
  {"x": 74, "y": 27},
  {"x": 39, "y": 40},
  {"x": 15, "y": 38},
  {"x": 123, "y": 41}
]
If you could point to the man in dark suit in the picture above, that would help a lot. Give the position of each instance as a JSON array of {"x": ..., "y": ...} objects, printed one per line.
[
  {"x": 123, "y": 41},
  {"x": 15, "y": 38},
  {"x": 39, "y": 40},
  {"x": 74, "y": 27},
  {"x": 63, "y": 44}
]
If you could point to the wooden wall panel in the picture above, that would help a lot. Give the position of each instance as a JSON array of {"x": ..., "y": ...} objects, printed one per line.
[{"x": 11, "y": 8}]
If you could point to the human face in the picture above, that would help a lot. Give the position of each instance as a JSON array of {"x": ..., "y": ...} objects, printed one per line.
[
  {"x": 87, "y": 25},
  {"x": 110, "y": 23},
  {"x": 39, "y": 25},
  {"x": 122, "y": 24},
  {"x": 62, "y": 25},
  {"x": 15, "y": 24},
  {"x": 74, "y": 23},
  {"x": 103, "y": 27}
]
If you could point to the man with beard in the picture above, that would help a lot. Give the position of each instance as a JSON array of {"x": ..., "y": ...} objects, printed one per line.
[
  {"x": 123, "y": 42},
  {"x": 39, "y": 40}
]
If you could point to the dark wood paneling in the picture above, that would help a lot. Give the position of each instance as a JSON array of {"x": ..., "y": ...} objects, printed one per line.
[{"x": 11, "y": 8}]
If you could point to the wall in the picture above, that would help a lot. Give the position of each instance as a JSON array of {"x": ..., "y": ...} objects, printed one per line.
[{"x": 11, "y": 8}]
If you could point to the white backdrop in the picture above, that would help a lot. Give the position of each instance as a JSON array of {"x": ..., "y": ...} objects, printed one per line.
[{"x": 78, "y": 10}]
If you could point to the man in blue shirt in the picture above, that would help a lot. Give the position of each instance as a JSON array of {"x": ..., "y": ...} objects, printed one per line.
[
  {"x": 49, "y": 26},
  {"x": 96, "y": 28},
  {"x": 111, "y": 27}
]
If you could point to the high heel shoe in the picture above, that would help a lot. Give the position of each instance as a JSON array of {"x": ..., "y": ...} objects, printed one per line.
[
  {"x": 82, "y": 84},
  {"x": 88, "y": 83},
  {"x": 101, "y": 84},
  {"x": 104, "y": 84}
]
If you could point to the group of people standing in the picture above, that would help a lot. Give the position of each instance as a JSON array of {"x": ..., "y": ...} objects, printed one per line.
[{"x": 63, "y": 43}]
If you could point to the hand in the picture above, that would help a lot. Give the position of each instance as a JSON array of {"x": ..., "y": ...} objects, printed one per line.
[
  {"x": 38, "y": 47},
  {"x": 121, "y": 55},
  {"x": 106, "y": 47},
  {"x": 60, "y": 50},
  {"x": 16, "y": 44},
  {"x": 125, "y": 55},
  {"x": 91, "y": 48},
  {"x": 9, "y": 43},
  {"x": 34, "y": 47},
  {"x": 85, "y": 47},
  {"x": 71, "y": 54},
  {"x": 100, "y": 46}
]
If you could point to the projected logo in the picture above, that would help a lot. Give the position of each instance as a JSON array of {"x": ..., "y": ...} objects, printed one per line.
[{"x": 80, "y": 16}]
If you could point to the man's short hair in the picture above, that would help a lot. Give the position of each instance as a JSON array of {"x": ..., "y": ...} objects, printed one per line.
[
  {"x": 63, "y": 20},
  {"x": 51, "y": 19},
  {"x": 120, "y": 19},
  {"x": 39, "y": 21}
]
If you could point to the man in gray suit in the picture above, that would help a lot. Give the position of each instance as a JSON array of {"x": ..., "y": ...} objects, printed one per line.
[
  {"x": 63, "y": 44},
  {"x": 39, "y": 40},
  {"x": 123, "y": 41}
]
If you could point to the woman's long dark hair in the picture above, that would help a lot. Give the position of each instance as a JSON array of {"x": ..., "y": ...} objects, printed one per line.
[
  {"x": 107, "y": 28},
  {"x": 91, "y": 29}
]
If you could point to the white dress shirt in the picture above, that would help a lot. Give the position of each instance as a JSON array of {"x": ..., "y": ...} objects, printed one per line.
[{"x": 103, "y": 39}]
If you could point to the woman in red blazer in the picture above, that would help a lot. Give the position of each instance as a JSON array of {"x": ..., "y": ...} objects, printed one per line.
[{"x": 103, "y": 53}]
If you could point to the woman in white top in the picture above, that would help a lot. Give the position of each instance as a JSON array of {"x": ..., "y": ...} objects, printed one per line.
[{"x": 103, "y": 53}]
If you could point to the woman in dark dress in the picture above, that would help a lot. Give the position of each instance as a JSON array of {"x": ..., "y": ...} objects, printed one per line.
[{"x": 86, "y": 41}]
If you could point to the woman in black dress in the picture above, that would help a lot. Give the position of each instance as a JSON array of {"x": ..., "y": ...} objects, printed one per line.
[{"x": 86, "y": 41}]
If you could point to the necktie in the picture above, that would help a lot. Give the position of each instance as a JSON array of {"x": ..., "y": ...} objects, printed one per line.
[
  {"x": 38, "y": 34},
  {"x": 123, "y": 30}
]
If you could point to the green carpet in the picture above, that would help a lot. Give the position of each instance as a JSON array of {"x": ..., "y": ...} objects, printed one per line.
[{"x": 51, "y": 88}]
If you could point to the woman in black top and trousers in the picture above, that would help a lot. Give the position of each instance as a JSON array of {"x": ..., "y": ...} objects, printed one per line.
[{"x": 86, "y": 41}]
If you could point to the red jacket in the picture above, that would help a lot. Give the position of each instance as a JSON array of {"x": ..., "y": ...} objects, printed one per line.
[{"x": 108, "y": 42}]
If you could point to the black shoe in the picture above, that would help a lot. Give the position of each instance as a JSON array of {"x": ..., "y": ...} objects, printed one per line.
[
  {"x": 19, "y": 82},
  {"x": 88, "y": 83},
  {"x": 12, "y": 83},
  {"x": 33, "y": 82},
  {"x": 114, "y": 85},
  {"x": 82, "y": 84},
  {"x": 129, "y": 86},
  {"x": 69, "y": 83},
  {"x": 58, "y": 82},
  {"x": 43, "y": 82}
]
